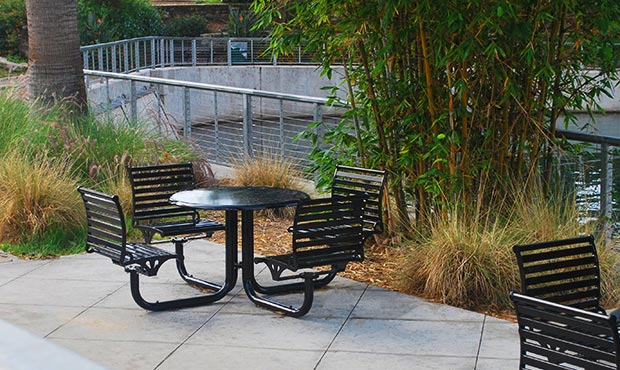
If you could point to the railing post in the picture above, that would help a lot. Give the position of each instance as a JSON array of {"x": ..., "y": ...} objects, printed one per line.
[
  {"x": 108, "y": 100},
  {"x": 194, "y": 56},
  {"x": 100, "y": 59},
  {"x": 134, "y": 102},
  {"x": 281, "y": 126},
  {"x": 162, "y": 53},
  {"x": 187, "y": 114},
  {"x": 171, "y": 46},
  {"x": 216, "y": 128},
  {"x": 86, "y": 61},
  {"x": 229, "y": 52},
  {"x": 606, "y": 189},
  {"x": 137, "y": 55},
  {"x": 126, "y": 57},
  {"x": 153, "y": 61},
  {"x": 247, "y": 126},
  {"x": 114, "y": 66},
  {"x": 160, "y": 108},
  {"x": 320, "y": 128},
  {"x": 251, "y": 51},
  {"x": 211, "y": 50}
]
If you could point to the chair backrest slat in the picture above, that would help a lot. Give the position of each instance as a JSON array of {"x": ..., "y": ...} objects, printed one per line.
[
  {"x": 105, "y": 224},
  {"x": 152, "y": 187},
  {"x": 555, "y": 336},
  {"x": 329, "y": 227},
  {"x": 563, "y": 271},
  {"x": 362, "y": 181}
]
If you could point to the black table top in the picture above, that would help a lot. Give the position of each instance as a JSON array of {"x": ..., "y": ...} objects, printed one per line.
[{"x": 237, "y": 198}]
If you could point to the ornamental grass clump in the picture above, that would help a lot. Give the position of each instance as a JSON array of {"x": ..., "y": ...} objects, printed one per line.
[
  {"x": 270, "y": 171},
  {"x": 266, "y": 170},
  {"x": 466, "y": 260},
  {"x": 37, "y": 195}
]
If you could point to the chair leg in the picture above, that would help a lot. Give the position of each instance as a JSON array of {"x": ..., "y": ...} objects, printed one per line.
[
  {"x": 189, "y": 278},
  {"x": 134, "y": 282},
  {"x": 279, "y": 307}
]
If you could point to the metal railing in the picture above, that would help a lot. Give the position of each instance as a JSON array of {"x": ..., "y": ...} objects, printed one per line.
[
  {"x": 231, "y": 123},
  {"x": 603, "y": 166},
  {"x": 228, "y": 123},
  {"x": 157, "y": 52}
]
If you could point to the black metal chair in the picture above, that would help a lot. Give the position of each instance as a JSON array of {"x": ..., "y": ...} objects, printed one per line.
[
  {"x": 556, "y": 336},
  {"x": 326, "y": 232},
  {"x": 106, "y": 235},
  {"x": 562, "y": 271},
  {"x": 363, "y": 181},
  {"x": 151, "y": 188}
]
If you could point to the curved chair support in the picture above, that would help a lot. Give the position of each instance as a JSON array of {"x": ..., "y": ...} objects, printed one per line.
[
  {"x": 134, "y": 281},
  {"x": 189, "y": 278},
  {"x": 318, "y": 283},
  {"x": 308, "y": 288}
]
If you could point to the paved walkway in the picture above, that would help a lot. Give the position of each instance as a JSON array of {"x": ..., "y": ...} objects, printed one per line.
[{"x": 82, "y": 303}]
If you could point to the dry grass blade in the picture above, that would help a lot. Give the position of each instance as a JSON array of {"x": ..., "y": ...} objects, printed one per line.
[{"x": 36, "y": 194}]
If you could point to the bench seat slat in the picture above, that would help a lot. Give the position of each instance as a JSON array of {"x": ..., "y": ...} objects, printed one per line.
[
  {"x": 559, "y": 265},
  {"x": 555, "y": 336}
]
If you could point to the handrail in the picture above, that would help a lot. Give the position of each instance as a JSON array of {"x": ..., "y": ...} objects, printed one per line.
[
  {"x": 589, "y": 138},
  {"x": 218, "y": 88},
  {"x": 164, "y": 51}
]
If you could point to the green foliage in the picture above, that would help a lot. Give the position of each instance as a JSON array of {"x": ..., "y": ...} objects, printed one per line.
[
  {"x": 186, "y": 26},
  {"x": 103, "y": 21},
  {"x": 241, "y": 23},
  {"x": 12, "y": 25},
  {"x": 454, "y": 99},
  {"x": 54, "y": 243},
  {"x": 44, "y": 156},
  {"x": 20, "y": 127}
]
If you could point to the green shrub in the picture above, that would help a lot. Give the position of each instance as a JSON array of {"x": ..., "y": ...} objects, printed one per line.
[
  {"x": 105, "y": 21},
  {"x": 186, "y": 26},
  {"x": 12, "y": 25}
]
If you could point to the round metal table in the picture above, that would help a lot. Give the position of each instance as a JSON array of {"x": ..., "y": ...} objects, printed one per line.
[{"x": 246, "y": 199}]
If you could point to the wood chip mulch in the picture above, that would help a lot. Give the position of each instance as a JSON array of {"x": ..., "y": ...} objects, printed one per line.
[
  {"x": 271, "y": 238},
  {"x": 380, "y": 266}
]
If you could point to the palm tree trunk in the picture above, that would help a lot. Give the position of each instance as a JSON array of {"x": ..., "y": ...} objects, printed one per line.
[{"x": 55, "y": 63}]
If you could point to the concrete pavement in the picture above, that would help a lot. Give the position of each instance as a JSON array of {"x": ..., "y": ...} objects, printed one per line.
[{"x": 82, "y": 306}]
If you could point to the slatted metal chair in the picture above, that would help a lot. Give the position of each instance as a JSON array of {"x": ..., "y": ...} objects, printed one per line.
[
  {"x": 556, "y": 336},
  {"x": 562, "y": 271},
  {"x": 325, "y": 232},
  {"x": 151, "y": 188},
  {"x": 357, "y": 181},
  {"x": 106, "y": 235}
]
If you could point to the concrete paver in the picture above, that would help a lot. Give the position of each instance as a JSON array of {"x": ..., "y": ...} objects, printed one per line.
[{"x": 83, "y": 303}]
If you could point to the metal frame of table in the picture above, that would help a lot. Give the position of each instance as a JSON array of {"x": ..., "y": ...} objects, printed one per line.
[{"x": 246, "y": 200}]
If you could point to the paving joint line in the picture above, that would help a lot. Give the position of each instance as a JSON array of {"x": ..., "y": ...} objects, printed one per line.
[{"x": 347, "y": 319}]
